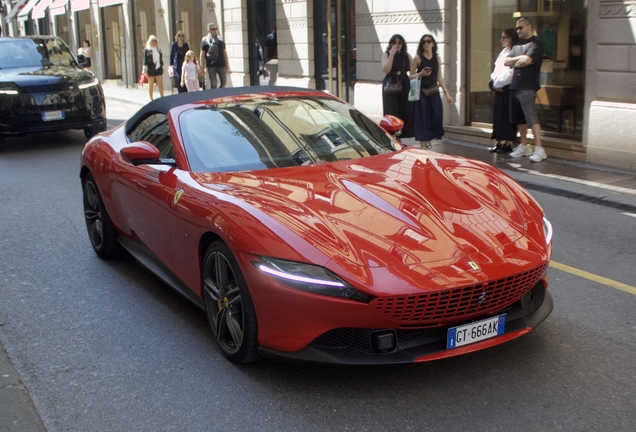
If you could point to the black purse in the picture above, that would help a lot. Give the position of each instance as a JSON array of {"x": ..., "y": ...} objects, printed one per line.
[{"x": 393, "y": 86}]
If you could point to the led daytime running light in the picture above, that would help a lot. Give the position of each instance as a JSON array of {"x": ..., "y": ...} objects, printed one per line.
[
  {"x": 547, "y": 227},
  {"x": 90, "y": 84},
  {"x": 8, "y": 92},
  {"x": 295, "y": 278}
]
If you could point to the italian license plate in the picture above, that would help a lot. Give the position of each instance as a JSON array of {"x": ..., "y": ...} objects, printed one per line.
[
  {"x": 475, "y": 332},
  {"x": 52, "y": 115}
]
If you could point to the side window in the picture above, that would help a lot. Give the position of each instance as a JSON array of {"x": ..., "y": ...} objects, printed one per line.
[{"x": 154, "y": 129}]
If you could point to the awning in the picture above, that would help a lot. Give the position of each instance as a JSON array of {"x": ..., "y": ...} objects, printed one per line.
[
  {"x": 79, "y": 5},
  {"x": 26, "y": 10},
  {"x": 103, "y": 3},
  {"x": 15, "y": 9},
  {"x": 57, "y": 7},
  {"x": 40, "y": 9}
]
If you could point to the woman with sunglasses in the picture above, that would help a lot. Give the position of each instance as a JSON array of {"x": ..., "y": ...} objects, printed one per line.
[
  {"x": 178, "y": 51},
  {"x": 153, "y": 65},
  {"x": 428, "y": 114},
  {"x": 503, "y": 132},
  {"x": 395, "y": 64}
]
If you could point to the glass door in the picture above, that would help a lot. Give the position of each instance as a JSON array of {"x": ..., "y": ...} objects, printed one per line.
[{"x": 335, "y": 54}]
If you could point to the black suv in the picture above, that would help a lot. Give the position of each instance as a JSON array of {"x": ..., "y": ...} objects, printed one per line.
[{"x": 43, "y": 87}]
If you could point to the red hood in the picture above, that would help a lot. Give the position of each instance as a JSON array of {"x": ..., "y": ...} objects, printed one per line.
[{"x": 407, "y": 207}]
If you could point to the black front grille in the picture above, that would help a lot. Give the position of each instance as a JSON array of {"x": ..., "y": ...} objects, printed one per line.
[
  {"x": 357, "y": 341},
  {"x": 434, "y": 307},
  {"x": 44, "y": 88}
]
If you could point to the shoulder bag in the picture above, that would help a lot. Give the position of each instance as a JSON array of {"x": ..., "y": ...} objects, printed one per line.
[{"x": 393, "y": 85}]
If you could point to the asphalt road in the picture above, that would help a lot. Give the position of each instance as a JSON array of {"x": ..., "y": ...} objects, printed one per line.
[{"x": 105, "y": 346}]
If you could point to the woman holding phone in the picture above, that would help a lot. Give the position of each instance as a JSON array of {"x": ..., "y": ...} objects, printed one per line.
[
  {"x": 428, "y": 114},
  {"x": 396, "y": 64}
]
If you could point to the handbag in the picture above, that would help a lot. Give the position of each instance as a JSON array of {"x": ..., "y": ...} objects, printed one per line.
[
  {"x": 171, "y": 71},
  {"x": 414, "y": 90},
  {"x": 393, "y": 86},
  {"x": 431, "y": 90},
  {"x": 143, "y": 79}
]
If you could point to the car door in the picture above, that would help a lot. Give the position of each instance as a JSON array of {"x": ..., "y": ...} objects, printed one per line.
[{"x": 147, "y": 192}]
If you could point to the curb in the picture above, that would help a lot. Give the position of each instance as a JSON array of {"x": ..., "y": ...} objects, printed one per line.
[{"x": 17, "y": 412}]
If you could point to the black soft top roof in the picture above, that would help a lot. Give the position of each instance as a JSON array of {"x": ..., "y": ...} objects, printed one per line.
[{"x": 165, "y": 104}]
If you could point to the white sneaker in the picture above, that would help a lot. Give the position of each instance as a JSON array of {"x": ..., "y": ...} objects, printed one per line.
[
  {"x": 538, "y": 155},
  {"x": 521, "y": 150}
]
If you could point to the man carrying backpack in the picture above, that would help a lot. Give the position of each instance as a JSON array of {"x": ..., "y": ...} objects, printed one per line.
[{"x": 214, "y": 56}]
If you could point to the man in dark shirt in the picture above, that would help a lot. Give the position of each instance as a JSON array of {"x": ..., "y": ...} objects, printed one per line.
[
  {"x": 526, "y": 58},
  {"x": 214, "y": 56}
]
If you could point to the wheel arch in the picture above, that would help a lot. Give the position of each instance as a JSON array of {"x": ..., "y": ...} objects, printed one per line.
[
  {"x": 83, "y": 171},
  {"x": 204, "y": 243}
]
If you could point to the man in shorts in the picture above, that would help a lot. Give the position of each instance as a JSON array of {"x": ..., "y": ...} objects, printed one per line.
[{"x": 526, "y": 58}]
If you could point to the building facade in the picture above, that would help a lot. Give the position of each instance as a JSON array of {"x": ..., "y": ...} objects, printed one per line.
[{"x": 586, "y": 104}]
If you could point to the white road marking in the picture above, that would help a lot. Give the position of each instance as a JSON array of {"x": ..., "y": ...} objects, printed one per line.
[
  {"x": 630, "y": 214},
  {"x": 579, "y": 181}
]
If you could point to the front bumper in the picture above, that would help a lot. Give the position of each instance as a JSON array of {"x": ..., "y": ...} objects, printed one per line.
[
  {"x": 353, "y": 346},
  {"x": 21, "y": 114}
]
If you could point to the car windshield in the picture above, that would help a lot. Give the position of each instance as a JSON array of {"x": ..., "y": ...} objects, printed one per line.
[
  {"x": 38, "y": 52},
  {"x": 276, "y": 133}
]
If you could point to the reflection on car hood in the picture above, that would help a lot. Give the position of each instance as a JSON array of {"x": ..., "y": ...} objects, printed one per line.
[
  {"x": 407, "y": 207},
  {"x": 42, "y": 75}
]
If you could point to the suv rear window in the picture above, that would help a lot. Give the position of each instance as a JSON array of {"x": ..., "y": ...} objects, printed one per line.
[{"x": 17, "y": 53}]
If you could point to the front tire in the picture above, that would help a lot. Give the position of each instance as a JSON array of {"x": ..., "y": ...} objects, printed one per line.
[
  {"x": 91, "y": 131},
  {"x": 229, "y": 305},
  {"x": 100, "y": 230}
]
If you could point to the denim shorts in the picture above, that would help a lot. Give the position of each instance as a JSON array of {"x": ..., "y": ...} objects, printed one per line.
[{"x": 522, "y": 107}]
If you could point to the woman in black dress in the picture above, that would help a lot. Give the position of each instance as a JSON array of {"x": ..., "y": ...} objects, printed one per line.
[
  {"x": 428, "y": 114},
  {"x": 177, "y": 56},
  {"x": 396, "y": 63},
  {"x": 503, "y": 132}
]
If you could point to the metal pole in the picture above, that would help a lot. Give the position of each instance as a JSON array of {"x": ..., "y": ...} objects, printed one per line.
[{"x": 329, "y": 47}]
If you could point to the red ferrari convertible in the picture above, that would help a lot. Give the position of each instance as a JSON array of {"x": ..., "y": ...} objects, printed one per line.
[{"x": 308, "y": 232}]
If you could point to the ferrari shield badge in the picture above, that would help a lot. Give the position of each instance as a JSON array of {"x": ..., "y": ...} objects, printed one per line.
[
  {"x": 177, "y": 197},
  {"x": 473, "y": 265}
]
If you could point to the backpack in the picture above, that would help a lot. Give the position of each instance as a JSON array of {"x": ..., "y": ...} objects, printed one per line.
[{"x": 213, "y": 51}]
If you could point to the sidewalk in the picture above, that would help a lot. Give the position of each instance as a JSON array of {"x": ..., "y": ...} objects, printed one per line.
[{"x": 601, "y": 185}]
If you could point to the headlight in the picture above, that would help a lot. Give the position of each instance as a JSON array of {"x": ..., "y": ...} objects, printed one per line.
[
  {"x": 547, "y": 230},
  {"x": 92, "y": 83},
  {"x": 311, "y": 278},
  {"x": 8, "y": 88}
]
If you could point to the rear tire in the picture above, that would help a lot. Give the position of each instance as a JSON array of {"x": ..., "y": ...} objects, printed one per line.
[
  {"x": 100, "y": 230},
  {"x": 229, "y": 305}
]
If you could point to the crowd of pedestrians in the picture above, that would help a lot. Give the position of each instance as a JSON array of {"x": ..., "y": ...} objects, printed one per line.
[
  {"x": 185, "y": 69},
  {"x": 514, "y": 81},
  {"x": 417, "y": 101}
]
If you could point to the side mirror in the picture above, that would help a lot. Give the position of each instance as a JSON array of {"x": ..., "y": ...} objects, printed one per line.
[
  {"x": 82, "y": 60},
  {"x": 391, "y": 124},
  {"x": 141, "y": 152}
]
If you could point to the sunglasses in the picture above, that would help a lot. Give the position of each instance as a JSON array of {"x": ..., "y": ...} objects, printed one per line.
[
  {"x": 520, "y": 27},
  {"x": 215, "y": 29},
  {"x": 427, "y": 41},
  {"x": 180, "y": 35}
]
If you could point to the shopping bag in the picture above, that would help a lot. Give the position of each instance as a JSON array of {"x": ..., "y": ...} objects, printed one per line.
[
  {"x": 143, "y": 79},
  {"x": 414, "y": 90}
]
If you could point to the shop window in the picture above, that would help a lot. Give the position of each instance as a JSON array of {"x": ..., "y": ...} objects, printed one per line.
[{"x": 561, "y": 27}]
